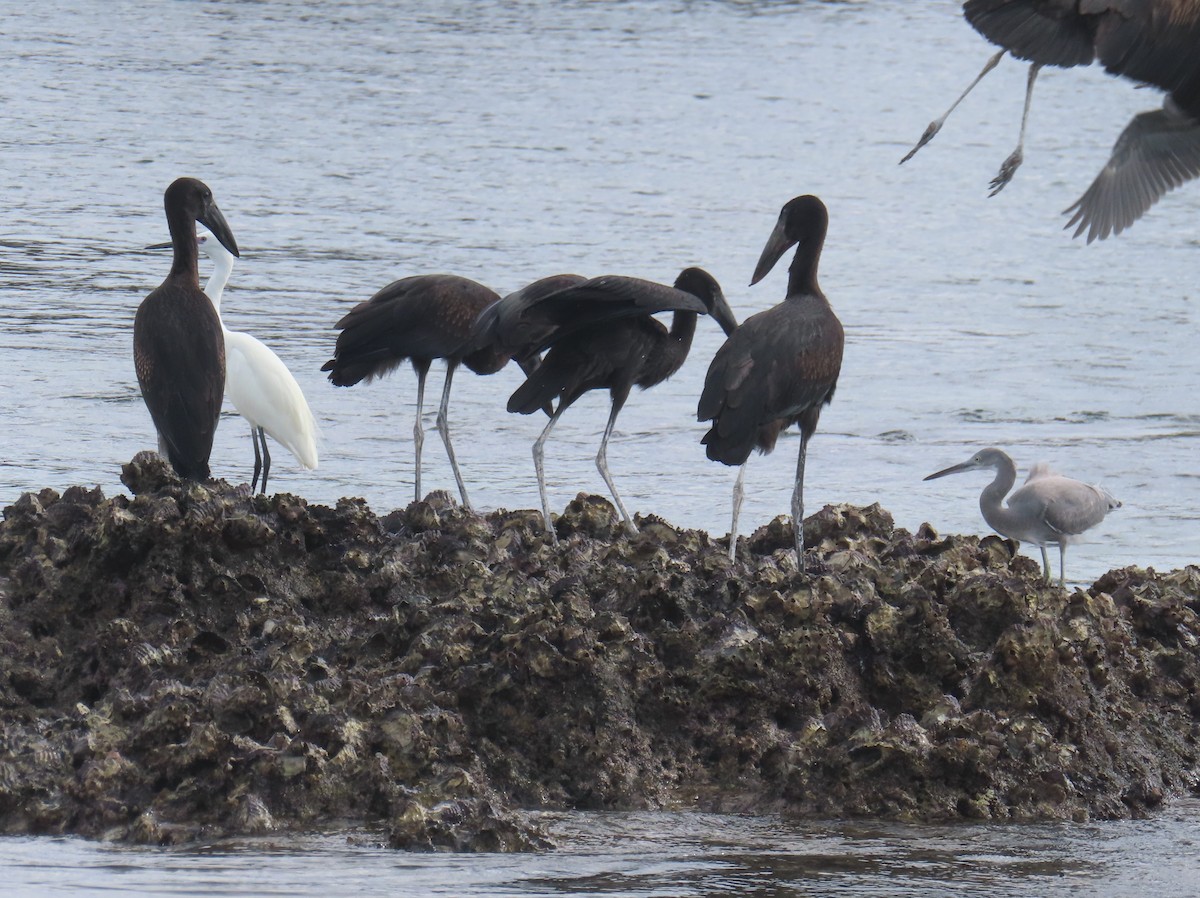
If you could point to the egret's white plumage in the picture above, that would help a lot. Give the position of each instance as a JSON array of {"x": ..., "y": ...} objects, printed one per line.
[
  {"x": 258, "y": 383},
  {"x": 1047, "y": 510}
]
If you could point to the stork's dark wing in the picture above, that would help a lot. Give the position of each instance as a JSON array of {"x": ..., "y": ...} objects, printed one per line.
[
  {"x": 179, "y": 356},
  {"x": 599, "y": 299},
  {"x": 776, "y": 366},
  {"x": 1050, "y": 32},
  {"x": 1157, "y": 152},
  {"x": 425, "y": 317},
  {"x": 1156, "y": 43}
]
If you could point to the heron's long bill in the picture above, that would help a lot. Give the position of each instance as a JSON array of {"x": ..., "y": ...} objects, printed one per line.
[{"x": 953, "y": 469}]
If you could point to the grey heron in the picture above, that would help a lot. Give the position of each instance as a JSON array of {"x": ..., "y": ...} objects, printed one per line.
[{"x": 1047, "y": 510}]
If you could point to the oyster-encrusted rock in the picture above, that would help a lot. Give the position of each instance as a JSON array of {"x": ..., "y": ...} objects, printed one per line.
[{"x": 195, "y": 661}]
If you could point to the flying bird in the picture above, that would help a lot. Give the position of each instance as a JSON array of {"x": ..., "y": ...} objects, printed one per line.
[{"x": 1153, "y": 42}]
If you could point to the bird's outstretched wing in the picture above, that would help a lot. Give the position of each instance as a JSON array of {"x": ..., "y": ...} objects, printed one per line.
[
  {"x": 1155, "y": 43},
  {"x": 1157, "y": 152},
  {"x": 1034, "y": 30},
  {"x": 503, "y": 324},
  {"x": 605, "y": 298}
]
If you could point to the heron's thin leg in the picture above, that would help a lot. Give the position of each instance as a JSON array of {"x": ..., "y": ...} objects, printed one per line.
[
  {"x": 443, "y": 426},
  {"x": 418, "y": 432},
  {"x": 798, "y": 503},
  {"x": 602, "y": 463},
  {"x": 1010, "y": 165},
  {"x": 538, "y": 447},
  {"x": 1045, "y": 564},
  {"x": 257, "y": 460},
  {"x": 936, "y": 125},
  {"x": 739, "y": 493},
  {"x": 262, "y": 435}
]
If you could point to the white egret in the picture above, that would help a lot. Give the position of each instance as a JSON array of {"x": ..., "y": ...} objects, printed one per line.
[{"x": 259, "y": 385}]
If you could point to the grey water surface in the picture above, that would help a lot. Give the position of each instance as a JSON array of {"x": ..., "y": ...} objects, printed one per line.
[
  {"x": 665, "y": 855},
  {"x": 353, "y": 143}
]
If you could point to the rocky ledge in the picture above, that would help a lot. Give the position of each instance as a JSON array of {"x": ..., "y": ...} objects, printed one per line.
[{"x": 197, "y": 662}]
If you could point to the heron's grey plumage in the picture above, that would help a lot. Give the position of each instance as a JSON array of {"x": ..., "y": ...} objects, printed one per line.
[{"x": 1048, "y": 510}]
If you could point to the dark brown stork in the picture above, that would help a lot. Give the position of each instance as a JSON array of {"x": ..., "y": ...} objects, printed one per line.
[
  {"x": 778, "y": 367},
  {"x": 178, "y": 347},
  {"x": 1148, "y": 41},
  {"x": 418, "y": 318},
  {"x": 602, "y": 336}
]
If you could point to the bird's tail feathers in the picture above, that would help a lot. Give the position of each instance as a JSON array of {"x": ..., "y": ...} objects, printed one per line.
[
  {"x": 346, "y": 372},
  {"x": 727, "y": 451},
  {"x": 1113, "y": 501}
]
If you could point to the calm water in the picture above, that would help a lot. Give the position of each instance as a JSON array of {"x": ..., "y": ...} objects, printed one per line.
[
  {"x": 655, "y": 854},
  {"x": 350, "y": 144}
]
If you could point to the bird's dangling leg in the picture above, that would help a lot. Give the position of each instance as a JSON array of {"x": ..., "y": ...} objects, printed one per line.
[
  {"x": 1045, "y": 564},
  {"x": 1010, "y": 165},
  {"x": 418, "y": 431},
  {"x": 443, "y": 427},
  {"x": 257, "y": 460},
  {"x": 602, "y": 463},
  {"x": 798, "y": 503},
  {"x": 739, "y": 493},
  {"x": 538, "y": 452},
  {"x": 262, "y": 436},
  {"x": 936, "y": 125}
]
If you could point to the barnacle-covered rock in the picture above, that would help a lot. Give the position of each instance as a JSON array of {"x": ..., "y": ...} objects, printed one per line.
[{"x": 196, "y": 661}]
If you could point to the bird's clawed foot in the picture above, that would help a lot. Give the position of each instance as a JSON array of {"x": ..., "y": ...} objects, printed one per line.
[
  {"x": 1007, "y": 170},
  {"x": 931, "y": 129}
]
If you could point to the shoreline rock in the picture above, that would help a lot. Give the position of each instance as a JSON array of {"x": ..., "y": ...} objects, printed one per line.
[{"x": 196, "y": 662}]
